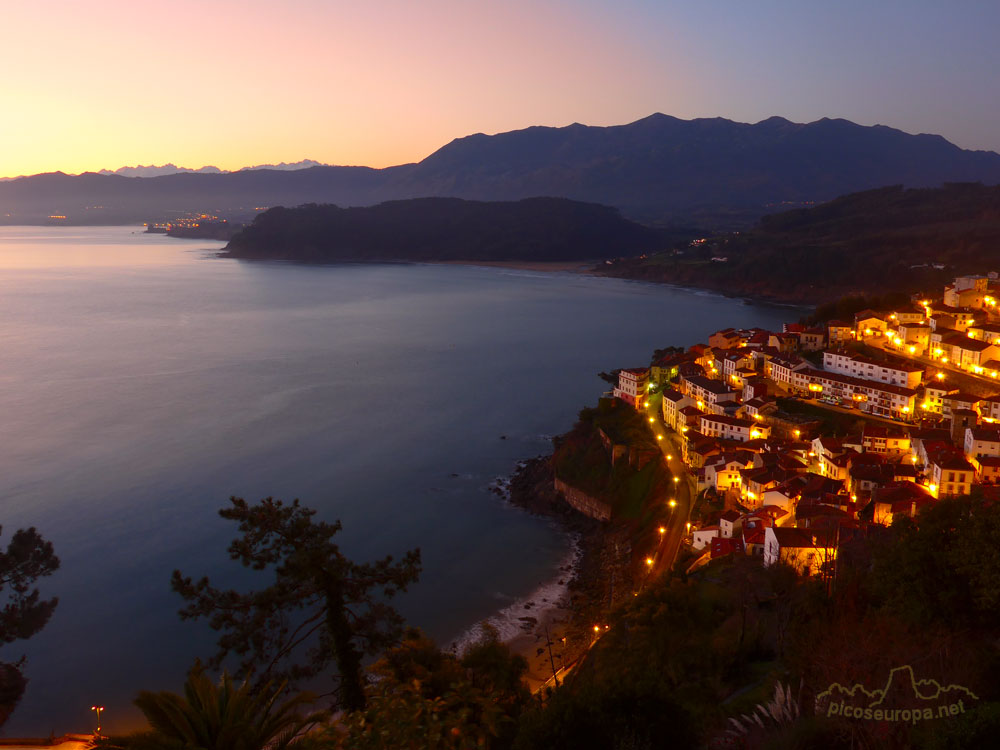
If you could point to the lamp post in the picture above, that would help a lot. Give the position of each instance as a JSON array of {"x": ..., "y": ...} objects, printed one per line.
[{"x": 98, "y": 709}]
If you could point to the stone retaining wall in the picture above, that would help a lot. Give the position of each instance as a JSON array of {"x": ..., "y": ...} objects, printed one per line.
[{"x": 581, "y": 501}]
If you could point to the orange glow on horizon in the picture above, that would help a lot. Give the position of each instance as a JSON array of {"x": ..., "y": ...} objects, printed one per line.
[{"x": 112, "y": 84}]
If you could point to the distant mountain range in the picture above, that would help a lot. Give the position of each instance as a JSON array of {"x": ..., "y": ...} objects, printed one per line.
[
  {"x": 713, "y": 173},
  {"x": 154, "y": 171}
]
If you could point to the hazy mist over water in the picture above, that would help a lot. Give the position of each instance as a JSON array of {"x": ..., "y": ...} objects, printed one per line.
[{"x": 143, "y": 381}]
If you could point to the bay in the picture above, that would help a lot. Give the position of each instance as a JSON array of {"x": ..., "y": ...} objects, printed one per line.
[{"x": 143, "y": 381}]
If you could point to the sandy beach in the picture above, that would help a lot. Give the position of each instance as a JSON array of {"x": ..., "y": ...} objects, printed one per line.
[
  {"x": 551, "y": 630},
  {"x": 533, "y": 624},
  {"x": 545, "y": 627}
]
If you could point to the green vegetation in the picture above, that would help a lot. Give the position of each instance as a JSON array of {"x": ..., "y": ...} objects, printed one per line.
[
  {"x": 421, "y": 697},
  {"x": 845, "y": 308},
  {"x": 865, "y": 246},
  {"x": 438, "y": 229},
  {"x": 28, "y": 557},
  {"x": 684, "y": 657},
  {"x": 321, "y": 609},
  {"x": 686, "y": 662},
  {"x": 222, "y": 716},
  {"x": 638, "y": 473}
]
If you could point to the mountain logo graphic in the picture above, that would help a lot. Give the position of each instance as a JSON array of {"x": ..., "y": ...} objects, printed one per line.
[{"x": 903, "y": 698}]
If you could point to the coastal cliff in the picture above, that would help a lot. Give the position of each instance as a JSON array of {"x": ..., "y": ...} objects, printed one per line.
[{"x": 610, "y": 564}]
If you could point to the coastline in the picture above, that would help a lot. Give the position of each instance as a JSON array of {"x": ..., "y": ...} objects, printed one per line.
[
  {"x": 583, "y": 268},
  {"x": 749, "y": 299},
  {"x": 579, "y": 266},
  {"x": 557, "y": 614}
]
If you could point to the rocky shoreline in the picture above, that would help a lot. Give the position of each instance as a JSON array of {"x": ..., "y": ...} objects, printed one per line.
[{"x": 599, "y": 576}]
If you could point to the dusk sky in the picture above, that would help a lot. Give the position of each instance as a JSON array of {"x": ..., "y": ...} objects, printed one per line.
[{"x": 105, "y": 84}]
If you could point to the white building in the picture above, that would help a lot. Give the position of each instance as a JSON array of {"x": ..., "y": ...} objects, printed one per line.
[
  {"x": 981, "y": 441},
  {"x": 733, "y": 428},
  {"x": 907, "y": 376},
  {"x": 632, "y": 384}
]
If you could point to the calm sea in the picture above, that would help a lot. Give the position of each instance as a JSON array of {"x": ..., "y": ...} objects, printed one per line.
[{"x": 143, "y": 381}]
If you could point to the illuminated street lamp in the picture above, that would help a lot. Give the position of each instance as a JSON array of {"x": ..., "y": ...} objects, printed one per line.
[
  {"x": 662, "y": 531},
  {"x": 651, "y": 420},
  {"x": 659, "y": 437},
  {"x": 649, "y": 562},
  {"x": 98, "y": 709}
]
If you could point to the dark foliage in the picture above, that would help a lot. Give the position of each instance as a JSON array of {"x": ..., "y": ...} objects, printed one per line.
[
  {"x": 845, "y": 308},
  {"x": 423, "y": 697},
  {"x": 28, "y": 557},
  {"x": 320, "y": 610},
  {"x": 534, "y": 229},
  {"x": 878, "y": 242}
]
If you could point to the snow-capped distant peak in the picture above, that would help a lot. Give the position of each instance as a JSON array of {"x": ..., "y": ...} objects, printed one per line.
[
  {"x": 286, "y": 167},
  {"x": 158, "y": 171},
  {"x": 154, "y": 171}
]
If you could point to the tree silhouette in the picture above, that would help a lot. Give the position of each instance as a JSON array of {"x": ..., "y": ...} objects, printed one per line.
[
  {"x": 320, "y": 610},
  {"x": 28, "y": 557}
]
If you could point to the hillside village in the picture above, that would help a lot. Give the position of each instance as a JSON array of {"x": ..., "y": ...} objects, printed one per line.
[{"x": 805, "y": 438}]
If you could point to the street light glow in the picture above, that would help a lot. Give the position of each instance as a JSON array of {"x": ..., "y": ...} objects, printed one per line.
[{"x": 98, "y": 709}]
